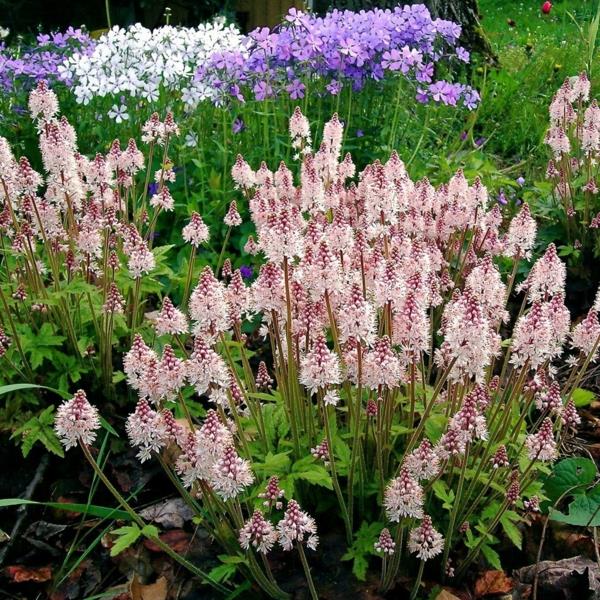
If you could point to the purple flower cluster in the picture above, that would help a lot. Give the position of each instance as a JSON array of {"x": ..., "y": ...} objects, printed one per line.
[
  {"x": 341, "y": 49},
  {"x": 21, "y": 67}
]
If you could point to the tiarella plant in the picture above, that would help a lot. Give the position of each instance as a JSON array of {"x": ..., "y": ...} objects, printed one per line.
[
  {"x": 570, "y": 195},
  {"x": 391, "y": 386},
  {"x": 75, "y": 256}
]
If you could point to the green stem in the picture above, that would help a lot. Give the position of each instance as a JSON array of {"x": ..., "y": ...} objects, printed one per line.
[
  {"x": 309, "y": 579},
  {"x": 222, "y": 255},
  {"x": 107, "y": 9},
  {"x": 334, "y": 477},
  {"x": 417, "y": 584},
  {"x": 140, "y": 523}
]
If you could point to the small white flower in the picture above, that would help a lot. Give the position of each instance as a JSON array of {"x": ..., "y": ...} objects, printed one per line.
[
  {"x": 191, "y": 139},
  {"x": 118, "y": 113}
]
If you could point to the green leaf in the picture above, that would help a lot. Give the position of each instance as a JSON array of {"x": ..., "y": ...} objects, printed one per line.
[
  {"x": 223, "y": 572},
  {"x": 569, "y": 474},
  {"x": 39, "y": 429},
  {"x": 106, "y": 425},
  {"x": 90, "y": 510},
  {"x": 118, "y": 376},
  {"x": 126, "y": 536},
  {"x": 150, "y": 531},
  {"x": 262, "y": 396},
  {"x": 16, "y": 387},
  {"x": 342, "y": 454},
  {"x": 317, "y": 475},
  {"x": 512, "y": 531},
  {"x": 440, "y": 489},
  {"x": 584, "y": 510},
  {"x": 359, "y": 567},
  {"x": 362, "y": 547},
  {"x": 232, "y": 559},
  {"x": 491, "y": 556},
  {"x": 434, "y": 427},
  {"x": 582, "y": 397},
  {"x": 275, "y": 464},
  {"x": 40, "y": 345}
]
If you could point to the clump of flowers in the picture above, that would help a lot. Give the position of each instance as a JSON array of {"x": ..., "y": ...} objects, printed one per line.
[
  {"x": 342, "y": 49},
  {"x": 573, "y": 137},
  {"x": 144, "y": 63},
  {"x": 22, "y": 67},
  {"x": 388, "y": 382}
]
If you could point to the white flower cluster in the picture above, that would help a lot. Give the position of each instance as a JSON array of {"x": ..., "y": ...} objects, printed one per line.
[{"x": 140, "y": 62}]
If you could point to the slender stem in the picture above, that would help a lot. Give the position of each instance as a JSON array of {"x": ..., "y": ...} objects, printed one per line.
[
  {"x": 392, "y": 569},
  {"x": 140, "y": 522},
  {"x": 107, "y": 9},
  {"x": 134, "y": 307},
  {"x": 309, "y": 579},
  {"x": 188, "y": 280},
  {"x": 222, "y": 255},
  {"x": 334, "y": 477},
  {"x": 417, "y": 584},
  {"x": 455, "y": 508},
  {"x": 356, "y": 445}
]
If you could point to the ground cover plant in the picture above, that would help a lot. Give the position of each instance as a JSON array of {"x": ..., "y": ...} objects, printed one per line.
[
  {"x": 269, "y": 350},
  {"x": 399, "y": 277}
]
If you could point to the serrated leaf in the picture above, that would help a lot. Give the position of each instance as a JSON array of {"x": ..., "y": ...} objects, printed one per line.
[
  {"x": 584, "y": 510},
  {"x": 362, "y": 547},
  {"x": 434, "y": 427},
  {"x": 39, "y": 429},
  {"x": 342, "y": 453},
  {"x": 316, "y": 476},
  {"x": 150, "y": 531},
  {"x": 491, "y": 556},
  {"x": 274, "y": 464},
  {"x": 569, "y": 474},
  {"x": 441, "y": 491},
  {"x": 359, "y": 567},
  {"x": 223, "y": 572},
  {"x": 118, "y": 376},
  {"x": 512, "y": 531},
  {"x": 126, "y": 536}
]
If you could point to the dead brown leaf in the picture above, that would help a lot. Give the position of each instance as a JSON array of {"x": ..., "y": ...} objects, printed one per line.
[
  {"x": 154, "y": 591},
  {"x": 21, "y": 573},
  {"x": 493, "y": 582},
  {"x": 177, "y": 539},
  {"x": 66, "y": 514},
  {"x": 446, "y": 595},
  {"x": 171, "y": 514}
]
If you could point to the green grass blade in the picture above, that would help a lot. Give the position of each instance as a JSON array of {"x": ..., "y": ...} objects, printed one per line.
[{"x": 91, "y": 510}]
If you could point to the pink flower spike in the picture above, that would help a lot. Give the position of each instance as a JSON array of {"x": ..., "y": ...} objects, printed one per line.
[
  {"x": 297, "y": 526},
  {"x": 232, "y": 218},
  {"x": 258, "y": 533},
  {"x": 195, "y": 232},
  {"x": 385, "y": 544},
  {"x": 76, "y": 420},
  {"x": 425, "y": 541}
]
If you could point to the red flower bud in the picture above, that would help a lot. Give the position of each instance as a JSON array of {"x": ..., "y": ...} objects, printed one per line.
[{"x": 546, "y": 7}]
